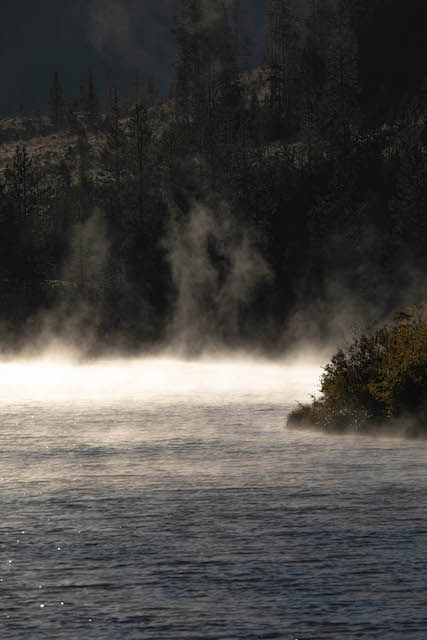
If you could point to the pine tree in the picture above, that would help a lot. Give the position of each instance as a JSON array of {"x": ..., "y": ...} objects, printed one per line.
[
  {"x": 312, "y": 143},
  {"x": 281, "y": 58},
  {"x": 25, "y": 186},
  {"x": 409, "y": 204},
  {"x": 255, "y": 122},
  {"x": 423, "y": 110},
  {"x": 64, "y": 203},
  {"x": 85, "y": 179},
  {"x": 28, "y": 199},
  {"x": 82, "y": 99},
  {"x": 89, "y": 98},
  {"x": 205, "y": 65},
  {"x": 139, "y": 137},
  {"x": 342, "y": 83},
  {"x": 113, "y": 165},
  {"x": 187, "y": 59},
  {"x": 319, "y": 17},
  {"x": 241, "y": 43},
  {"x": 108, "y": 96},
  {"x": 57, "y": 103},
  {"x": 315, "y": 53},
  {"x": 83, "y": 212},
  {"x": 72, "y": 108},
  {"x": 152, "y": 93},
  {"x": 7, "y": 234},
  {"x": 135, "y": 91}
]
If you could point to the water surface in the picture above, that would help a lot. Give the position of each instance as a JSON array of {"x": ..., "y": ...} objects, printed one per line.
[{"x": 165, "y": 499}]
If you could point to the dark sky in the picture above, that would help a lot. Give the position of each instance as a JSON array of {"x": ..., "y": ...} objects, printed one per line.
[{"x": 38, "y": 37}]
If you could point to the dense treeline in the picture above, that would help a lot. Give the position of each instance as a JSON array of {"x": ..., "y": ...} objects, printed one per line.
[{"x": 239, "y": 202}]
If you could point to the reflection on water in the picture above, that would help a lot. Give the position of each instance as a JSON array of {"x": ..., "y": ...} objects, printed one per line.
[{"x": 164, "y": 499}]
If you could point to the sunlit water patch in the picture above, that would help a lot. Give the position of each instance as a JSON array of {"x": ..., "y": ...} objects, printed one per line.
[{"x": 155, "y": 499}]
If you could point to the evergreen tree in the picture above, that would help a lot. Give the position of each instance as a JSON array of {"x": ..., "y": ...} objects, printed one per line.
[
  {"x": 342, "y": 83},
  {"x": 57, "y": 103},
  {"x": 152, "y": 93},
  {"x": 205, "y": 62},
  {"x": 256, "y": 123},
  {"x": 187, "y": 58},
  {"x": 281, "y": 58},
  {"x": 63, "y": 207},
  {"x": 135, "y": 91},
  {"x": 108, "y": 96},
  {"x": 25, "y": 185},
  {"x": 71, "y": 115},
  {"x": 84, "y": 175},
  {"x": 241, "y": 43},
  {"x": 28, "y": 199},
  {"x": 312, "y": 143},
  {"x": 313, "y": 73},
  {"x": 82, "y": 99},
  {"x": 409, "y": 204},
  {"x": 83, "y": 211},
  {"x": 139, "y": 137},
  {"x": 90, "y": 103},
  {"x": 319, "y": 16},
  {"x": 113, "y": 165}
]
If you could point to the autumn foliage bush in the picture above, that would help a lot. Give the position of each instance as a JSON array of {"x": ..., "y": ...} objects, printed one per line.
[{"x": 377, "y": 380}]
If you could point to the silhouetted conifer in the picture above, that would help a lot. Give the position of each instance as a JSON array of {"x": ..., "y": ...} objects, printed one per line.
[
  {"x": 28, "y": 198},
  {"x": 342, "y": 83},
  {"x": 90, "y": 103},
  {"x": 139, "y": 137},
  {"x": 84, "y": 175},
  {"x": 135, "y": 91},
  {"x": 108, "y": 96},
  {"x": 241, "y": 42},
  {"x": 205, "y": 68},
  {"x": 57, "y": 103},
  {"x": 409, "y": 204},
  {"x": 281, "y": 59},
  {"x": 113, "y": 166},
  {"x": 152, "y": 93}
]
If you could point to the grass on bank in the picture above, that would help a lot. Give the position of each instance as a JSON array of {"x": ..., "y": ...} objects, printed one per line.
[{"x": 376, "y": 382}]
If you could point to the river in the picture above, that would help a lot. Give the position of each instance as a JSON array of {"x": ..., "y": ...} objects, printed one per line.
[{"x": 165, "y": 499}]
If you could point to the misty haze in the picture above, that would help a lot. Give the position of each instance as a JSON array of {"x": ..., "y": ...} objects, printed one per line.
[{"x": 213, "y": 320}]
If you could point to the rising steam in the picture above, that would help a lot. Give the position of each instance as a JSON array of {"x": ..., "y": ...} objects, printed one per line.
[{"x": 216, "y": 269}]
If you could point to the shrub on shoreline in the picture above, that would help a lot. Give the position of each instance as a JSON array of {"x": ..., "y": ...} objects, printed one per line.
[{"x": 377, "y": 382}]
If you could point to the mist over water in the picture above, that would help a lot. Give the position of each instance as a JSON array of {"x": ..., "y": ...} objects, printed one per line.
[
  {"x": 163, "y": 498},
  {"x": 149, "y": 379}
]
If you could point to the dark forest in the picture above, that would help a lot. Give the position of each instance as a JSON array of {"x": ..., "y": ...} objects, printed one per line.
[{"x": 248, "y": 207}]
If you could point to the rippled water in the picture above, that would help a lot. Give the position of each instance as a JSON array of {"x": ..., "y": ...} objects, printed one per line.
[{"x": 160, "y": 499}]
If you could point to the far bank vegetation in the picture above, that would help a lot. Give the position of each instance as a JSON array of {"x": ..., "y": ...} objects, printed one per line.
[{"x": 375, "y": 383}]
